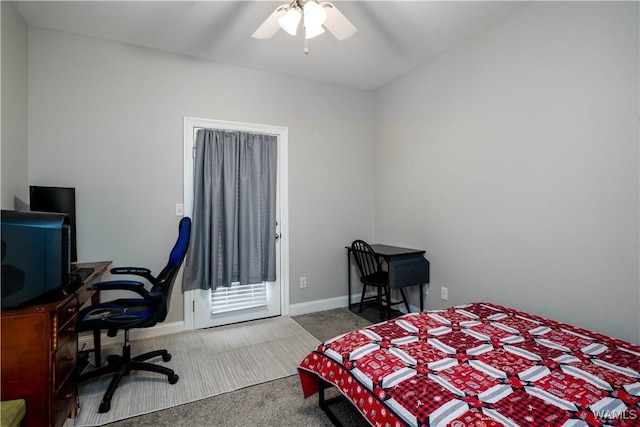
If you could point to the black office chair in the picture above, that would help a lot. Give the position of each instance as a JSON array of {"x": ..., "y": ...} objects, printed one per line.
[
  {"x": 372, "y": 274},
  {"x": 130, "y": 313}
]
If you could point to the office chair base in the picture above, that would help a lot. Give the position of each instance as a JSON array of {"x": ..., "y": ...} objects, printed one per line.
[
  {"x": 115, "y": 359},
  {"x": 122, "y": 370},
  {"x": 121, "y": 366}
]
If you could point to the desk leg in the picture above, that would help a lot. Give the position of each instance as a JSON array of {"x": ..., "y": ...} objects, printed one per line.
[
  {"x": 349, "y": 279},
  {"x": 96, "y": 348},
  {"x": 95, "y": 299},
  {"x": 421, "y": 298}
]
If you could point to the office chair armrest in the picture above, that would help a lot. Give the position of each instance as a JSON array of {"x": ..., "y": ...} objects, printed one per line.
[
  {"x": 137, "y": 271},
  {"x": 121, "y": 285},
  {"x": 128, "y": 285}
]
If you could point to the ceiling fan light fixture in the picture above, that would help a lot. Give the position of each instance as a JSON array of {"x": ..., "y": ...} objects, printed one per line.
[
  {"x": 311, "y": 32},
  {"x": 318, "y": 16},
  {"x": 314, "y": 14},
  {"x": 290, "y": 20}
]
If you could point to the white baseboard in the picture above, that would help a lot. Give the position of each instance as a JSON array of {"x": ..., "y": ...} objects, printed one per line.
[
  {"x": 330, "y": 304},
  {"x": 318, "y": 305}
]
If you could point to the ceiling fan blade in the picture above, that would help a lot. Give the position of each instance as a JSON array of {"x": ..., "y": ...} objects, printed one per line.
[
  {"x": 336, "y": 22},
  {"x": 270, "y": 26}
]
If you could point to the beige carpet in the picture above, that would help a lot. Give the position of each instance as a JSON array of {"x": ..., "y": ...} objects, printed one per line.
[{"x": 209, "y": 362}]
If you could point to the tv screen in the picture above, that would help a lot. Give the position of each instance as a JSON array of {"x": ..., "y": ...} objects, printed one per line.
[
  {"x": 35, "y": 256},
  {"x": 56, "y": 199}
]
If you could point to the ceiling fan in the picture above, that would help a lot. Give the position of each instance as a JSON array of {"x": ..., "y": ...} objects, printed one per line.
[{"x": 314, "y": 16}]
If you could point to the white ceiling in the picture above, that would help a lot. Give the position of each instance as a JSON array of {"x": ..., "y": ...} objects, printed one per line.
[{"x": 393, "y": 36}]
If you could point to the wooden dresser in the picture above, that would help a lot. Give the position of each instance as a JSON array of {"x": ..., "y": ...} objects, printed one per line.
[{"x": 40, "y": 351}]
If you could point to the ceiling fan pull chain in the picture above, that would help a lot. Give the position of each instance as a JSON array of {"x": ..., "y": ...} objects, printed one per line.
[{"x": 306, "y": 47}]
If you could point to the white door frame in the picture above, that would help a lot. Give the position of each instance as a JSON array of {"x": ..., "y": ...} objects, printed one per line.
[{"x": 189, "y": 124}]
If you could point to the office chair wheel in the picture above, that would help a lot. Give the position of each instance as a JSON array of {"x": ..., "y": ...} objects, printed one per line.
[
  {"x": 173, "y": 379},
  {"x": 166, "y": 357},
  {"x": 104, "y": 407}
]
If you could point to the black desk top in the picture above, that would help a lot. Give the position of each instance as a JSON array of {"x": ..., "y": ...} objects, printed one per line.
[{"x": 388, "y": 251}]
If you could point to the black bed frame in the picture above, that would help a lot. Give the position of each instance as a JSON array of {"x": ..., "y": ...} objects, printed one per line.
[{"x": 324, "y": 403}]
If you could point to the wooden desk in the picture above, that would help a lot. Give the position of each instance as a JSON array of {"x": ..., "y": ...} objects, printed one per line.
[
  {"x": 407, "y": 267},
  {"x": 40, "y": 352}
]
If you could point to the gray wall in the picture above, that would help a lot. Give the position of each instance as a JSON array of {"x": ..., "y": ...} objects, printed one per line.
[
  {"x": 15, "y": 39},
  {"x": 513, "y": 160},
  {"x": 106, "y": 118}
]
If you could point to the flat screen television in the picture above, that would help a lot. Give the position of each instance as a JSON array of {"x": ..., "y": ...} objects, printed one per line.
[
  {"x": 56, "y": 199},
  {"x": 36, "y": 249}
]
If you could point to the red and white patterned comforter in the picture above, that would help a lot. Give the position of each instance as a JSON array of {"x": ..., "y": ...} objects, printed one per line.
[{"x": 480, "y": 365}]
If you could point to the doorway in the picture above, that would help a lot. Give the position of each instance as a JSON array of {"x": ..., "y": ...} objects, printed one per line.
[{"x": 206, "y": 308}]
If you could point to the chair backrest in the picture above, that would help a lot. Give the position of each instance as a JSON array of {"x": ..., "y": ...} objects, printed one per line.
[
  {"x": 366, "y": 259},
  {"x": 166, "y": 278}
]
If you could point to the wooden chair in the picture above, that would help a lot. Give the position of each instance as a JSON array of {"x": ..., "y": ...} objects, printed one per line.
[{"x": 373, "y": 275}]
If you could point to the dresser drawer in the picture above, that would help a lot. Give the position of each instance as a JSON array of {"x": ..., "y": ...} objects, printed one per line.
[
  {"x": 66, "y": 313},
  {"x": 65, "y": 357},
  {"x": 63, "y": 402}
]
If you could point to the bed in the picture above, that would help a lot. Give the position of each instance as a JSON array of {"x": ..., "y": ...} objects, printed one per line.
[{"x": 478, "y": 364}]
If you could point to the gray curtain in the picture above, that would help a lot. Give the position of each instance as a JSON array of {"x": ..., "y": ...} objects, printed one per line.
[{"x": 234, "y": 210}]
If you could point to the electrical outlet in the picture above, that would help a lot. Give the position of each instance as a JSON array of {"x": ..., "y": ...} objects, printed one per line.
[
  {"x": 303, "y": 282},
  {"x": 444, "y": 293}
]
